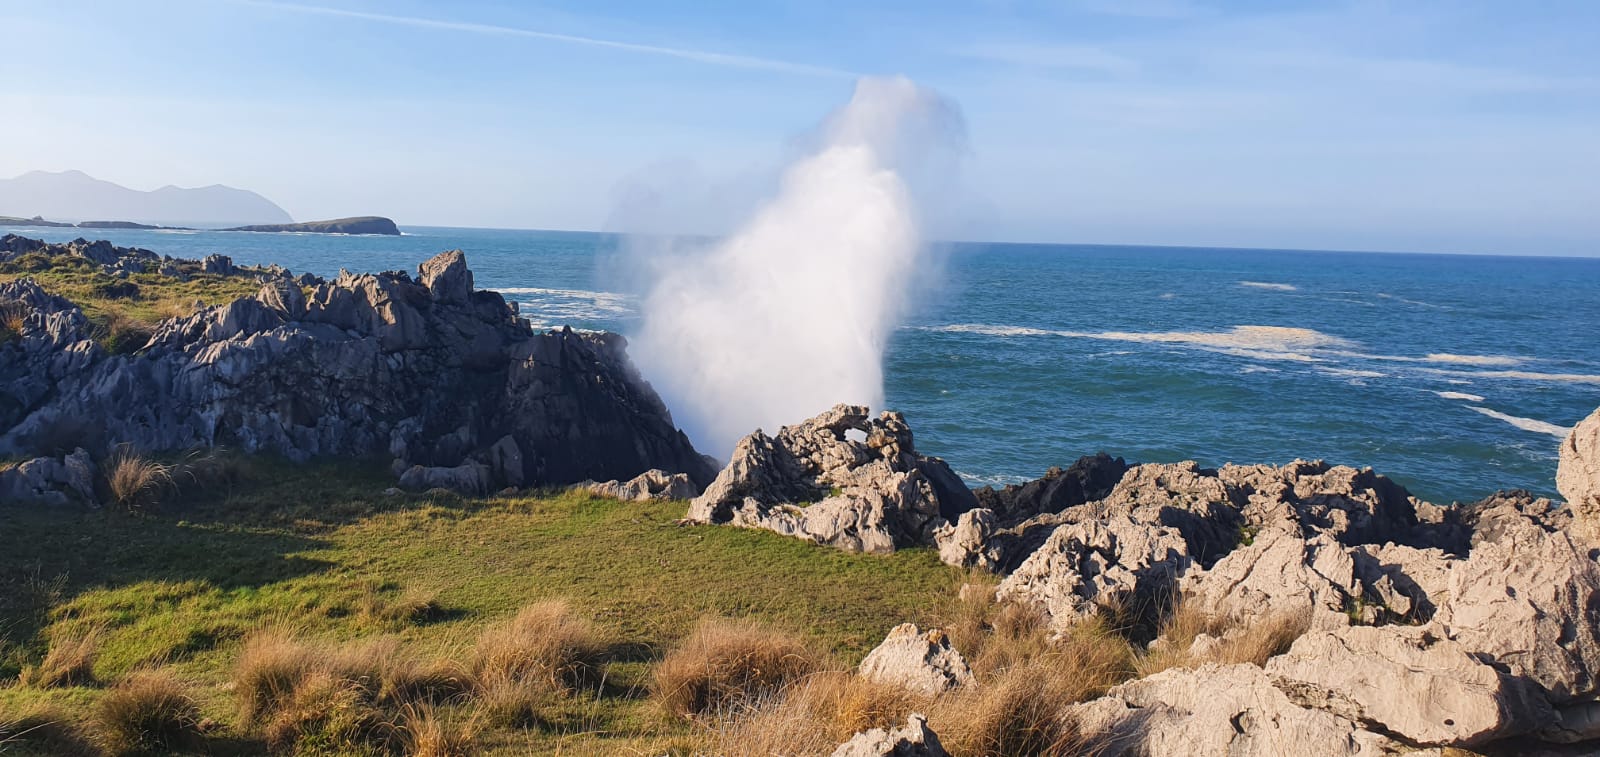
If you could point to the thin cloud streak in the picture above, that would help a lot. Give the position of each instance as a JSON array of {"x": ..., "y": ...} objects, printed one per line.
[{"x": 698, "y": 56}]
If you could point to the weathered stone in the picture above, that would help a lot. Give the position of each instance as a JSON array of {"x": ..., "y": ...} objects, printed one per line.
[
  {"x": 1088, "y": 479},
  {"x": 916, "y": 739},
  {"x": 368, "y": 364},
  {"x": 869, "y": 494},
  {"x": 1412, "y": 683},
  {"x": 969, "y": 542},
  {"x": 49, "y": 480},
  {"x": 1230, "y": 710},
  {"x": 1578, "y": 475},
  {"x": 1110, "y": 562},
  {"x": 446, "y": 275},
  {"x": 466, "y": 478},
  {"x": 923, "y": 663},
  {"x": 1530, "y": 601},
  {"x": 649, "y": 485},
  {"x": 1280, "y": 572}
]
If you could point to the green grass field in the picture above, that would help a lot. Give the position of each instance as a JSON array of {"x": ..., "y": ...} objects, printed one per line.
[{"x": 320, "y": 549}]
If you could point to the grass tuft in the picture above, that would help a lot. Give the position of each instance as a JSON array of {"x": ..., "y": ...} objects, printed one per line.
[
  {"x": 36, "y": 728},
  {"x": 136, "y": 481},
  {"x": 545, "y": 643},
  {"x": 149, "y": 712},
  {"x": 726, "y": 663},
  {"x": 70, "y": 659}
]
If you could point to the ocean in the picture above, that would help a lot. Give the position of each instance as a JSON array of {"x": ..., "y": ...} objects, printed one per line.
[{"x": 1455, "y": 375}]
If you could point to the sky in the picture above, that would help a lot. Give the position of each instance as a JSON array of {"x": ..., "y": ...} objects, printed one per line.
[{"x": 1417, "y": 125}]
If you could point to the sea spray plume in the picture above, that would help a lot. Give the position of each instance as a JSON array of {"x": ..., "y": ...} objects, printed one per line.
[{"x": 791, "y": 314}]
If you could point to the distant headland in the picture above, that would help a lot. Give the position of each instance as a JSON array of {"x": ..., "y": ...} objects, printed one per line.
[{"x": 353, "y": 225}]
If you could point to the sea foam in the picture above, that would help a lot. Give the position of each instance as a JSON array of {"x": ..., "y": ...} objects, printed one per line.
[{"x": 1527, "y": 424}]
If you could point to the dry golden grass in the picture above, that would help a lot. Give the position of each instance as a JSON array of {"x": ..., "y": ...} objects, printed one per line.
[
  {"x": 42, "y": 729},
  {"x": 723, "y": 664},
  {"x": 135, "y": 480},
  {"x": 149, "y": 712},
  {"x": 271, "y": 665},
  {"x": 328, "y": 714},
  {"x": 545, "y": 643},
  {"x": 12, "y": 318},
  {"x": 424, "y": 731},
  {"x": 1234, "y": 642},
  {"x": 69, "y": 660},
  {"x": 812, "y": 716},
  {"x": 376, "y": 610}
]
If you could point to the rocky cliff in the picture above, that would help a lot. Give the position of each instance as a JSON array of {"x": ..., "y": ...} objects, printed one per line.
[{"x": 442, "y": 380}]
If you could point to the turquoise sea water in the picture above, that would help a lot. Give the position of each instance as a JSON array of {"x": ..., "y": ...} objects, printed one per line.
[{"x": 1453, "y": 374}]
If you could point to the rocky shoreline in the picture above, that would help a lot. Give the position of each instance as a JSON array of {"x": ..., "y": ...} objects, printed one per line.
[{"x": 1417, "y": 626}]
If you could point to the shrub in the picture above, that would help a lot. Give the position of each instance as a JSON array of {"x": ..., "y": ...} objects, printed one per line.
[
  {"x": 135, "y": 480},
  {"x": 149, "y": 712},
  {"x": 724, "y": 663},
  {"x": 12, "y": 320},
  {"x": 1017, "y": 712},
  {"x": 69, "y": 661},
  {"x": 41, "y": 729}
]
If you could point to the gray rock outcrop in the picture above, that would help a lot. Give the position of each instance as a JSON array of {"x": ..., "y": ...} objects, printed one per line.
[
  {"x": 1578, "y": 475},
  {"x": 444, "y": 380},
  {"x": 50, "y": 480},
  {"x": 652, "y": 484},
  {"x": 842, "y": 478},
  {"x": 922, "y": 663},
  {"x": 1234, "y": 710}
]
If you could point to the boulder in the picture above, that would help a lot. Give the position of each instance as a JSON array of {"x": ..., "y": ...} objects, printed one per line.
[
  {"x": 1234, "y": 710},
  {"x": 50, "y": 480},
  {"x": 916, "y": 739},
  {"x": 922, "y": 663},
  {"x": 1578, "y": 475},
  {"x": 1088, "y": 479},
  {"x": 466, "y": 478},
  {"x": 650, "y": 485},
  {"x": 1112, "y": 563},
  {"x": 842, "y": 478},
  {"x": 1409, "y": 682},
  {"x": 1354, "y": 506}
]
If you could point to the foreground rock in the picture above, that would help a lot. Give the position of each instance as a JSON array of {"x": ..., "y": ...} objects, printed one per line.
[
  {"x": 923, "y": 663},
  {"x": 1578, "y": 477},
  {"x": 50, "y": 480},
  {"x": 444, "y": 380},
  {"x": 1217, "y": 710},
  {"x": 842, "y": 478},
  {"x": 916, "y": 739},
  {"x": 653, "y": 484}
]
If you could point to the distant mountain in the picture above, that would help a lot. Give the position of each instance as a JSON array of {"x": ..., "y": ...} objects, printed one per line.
[{"x": 75, "y": 195}]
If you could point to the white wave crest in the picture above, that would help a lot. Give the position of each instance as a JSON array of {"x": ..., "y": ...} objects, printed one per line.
[
  {"x": 1527, "y": 424},
  {"x": 1350, "y": 373},
  {"x": 988, "y": 330},
  {"x": 1446, "y": 357},
  {"x": 1460, "y": 396},
  {"x": 1562, "y": 378},
  {"x": 1258, "y": 342},
  {"x": 1269, "y": 285}
]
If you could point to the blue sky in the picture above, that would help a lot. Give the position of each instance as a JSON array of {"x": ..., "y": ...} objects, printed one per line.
[{"x": 1458, "y": 126}]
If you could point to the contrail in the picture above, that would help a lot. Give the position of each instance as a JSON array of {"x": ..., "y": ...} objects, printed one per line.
[{"x": 698, "y": 56}]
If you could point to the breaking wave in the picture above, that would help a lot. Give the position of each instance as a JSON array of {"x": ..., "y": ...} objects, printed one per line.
[
  {"x": 1460, "y": 396},
  {"x": 1527, "y": 424},
  {"x": 1269, "y": 285}
]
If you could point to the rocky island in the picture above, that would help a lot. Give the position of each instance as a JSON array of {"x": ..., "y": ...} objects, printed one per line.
[
  {"x": 1110, "y": 607},
  {"x": 354, "y": 225}
]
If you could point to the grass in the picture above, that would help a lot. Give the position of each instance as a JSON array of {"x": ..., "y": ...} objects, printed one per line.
[
  {"x": 725, "y": 664},
  {"x": 120, "y": 319},
  {"x": 319, "y": 552},
  {"x": 135, "y": 480},
  {"x": 149, "y": 712},
  {"x": 1229, "y": 641}
]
